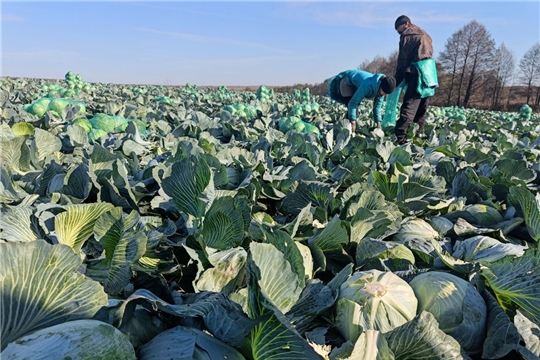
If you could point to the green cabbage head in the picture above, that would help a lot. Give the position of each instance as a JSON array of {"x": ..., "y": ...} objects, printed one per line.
[
  {"x": 456, "y": 304},
  {"x": 373, "y": 300}
]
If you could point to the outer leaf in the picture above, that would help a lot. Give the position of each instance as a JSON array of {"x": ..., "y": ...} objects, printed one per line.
[
  {"x": 49, "y": 172},
  {"x": 315, "y": 298},
  {"x": 227, "y": 266},
  {"x": 517, "y": 281},
  {"x": 421, "y": 339},
  {"x": 401, "y": 156},
  {"x": 74, "y": 226},
  {"x": 9, "y": 191},
  {"x": 273, "y": 338},
  {"x": 371, "y": 345},
  {"x": 284, "y": 243},
  {"x": 319, "y": 194},
  {"x": 15, "y": 154},
  {"x": 223, "y": 317},
  {"x": 514, "y": 169},
  {"x": 502, "y": 335},
  {"x": 530, "y": 332},
  {"x": 124, "y": 242},
  {"x": 388, "y": 188},
  {"x": 278, "y": 282},
  {"x": 79, "y": 339},
  {"x": 225, "y": 223},
  {"x": 530, "y": 206},
  {"x": 191, "y": 187},
  {"x": 332, "y": 237},
  {"x": 16, "y": 224},
  {"x": 41, "y": 287},
  {"x": 77, "y": 183},
  {"x": 45, "y": 143},
  {"x": 185, "y": 343}
]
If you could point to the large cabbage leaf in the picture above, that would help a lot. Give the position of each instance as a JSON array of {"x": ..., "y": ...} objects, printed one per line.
[
  {"x": 190, "y": 185},
  {"x": 18, "y": 223},
  {"x": 278, "y": 282},
  {"x": 75, "y": 225},
  {"x": 41, "y": 287},
  {"x": 187, "y": 343},
  {"x": 530, "y": 207},
  {"x": 273, "y": 338},
  {"x": 516, "y": 282},
  {"x": 225, "y": 223},
  {"x": 124, "y": 242},
  {"x": 78, "y": 339},
  {"x": 421, "y": 339}
]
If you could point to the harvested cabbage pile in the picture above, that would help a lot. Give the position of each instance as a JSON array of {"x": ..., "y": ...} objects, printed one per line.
[
  {"x": 55, "y": 105},
  {"x": 293, "y": 122},
  {"x": 102, "y": 124},
  {"x": 305, "y": 109},
  {"x": 243, "y": 110},
  {"x": 265, "y": 94}
]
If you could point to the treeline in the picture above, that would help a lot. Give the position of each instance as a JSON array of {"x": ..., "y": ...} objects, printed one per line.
[{"x": 473, "y": 72}]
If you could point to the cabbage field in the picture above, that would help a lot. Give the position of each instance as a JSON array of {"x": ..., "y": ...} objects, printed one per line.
[{"x": 153, "y": 222}]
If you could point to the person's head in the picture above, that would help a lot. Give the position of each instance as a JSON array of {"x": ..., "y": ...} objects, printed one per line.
[
  {"x": 387, "y": 86},
  {"x": 402, "y": 22}
]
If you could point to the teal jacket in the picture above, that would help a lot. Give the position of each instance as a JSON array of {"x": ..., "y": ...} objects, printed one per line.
[{"x": 367, "y": 86}]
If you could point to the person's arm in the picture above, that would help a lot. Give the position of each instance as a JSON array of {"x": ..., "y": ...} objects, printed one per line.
[
  {"x": 355, "y": 101},
  {"x": 404, "y": 59},
  {"x": 377, "y": 110}
]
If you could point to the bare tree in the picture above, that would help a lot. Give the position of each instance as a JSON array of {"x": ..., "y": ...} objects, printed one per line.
[
  {"x": 380, "y": 64},
  {"x": 529, "y": 67},
  {"x": 450, "y": 60},
  {"x": 467, "y": 55},
  {"x": 502, "y": 72},
  {"x": 481, "y": 55}
]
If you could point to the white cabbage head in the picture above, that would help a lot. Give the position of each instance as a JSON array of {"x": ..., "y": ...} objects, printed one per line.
[{"x": 374, "y": 300}]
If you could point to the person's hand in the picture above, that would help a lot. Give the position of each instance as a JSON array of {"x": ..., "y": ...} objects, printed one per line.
[{"x": 353, "y": 126}]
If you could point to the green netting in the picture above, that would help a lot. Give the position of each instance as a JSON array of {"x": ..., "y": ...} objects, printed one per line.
[
  {"x": 164, "y": 99},
  {"x": 56, "y": 105},
  {"x": 108, "y": 123},
  {"x": 391, "y": 108},
  {"x": 264, "y": 93},
  {"x": 243, "y": 110}
]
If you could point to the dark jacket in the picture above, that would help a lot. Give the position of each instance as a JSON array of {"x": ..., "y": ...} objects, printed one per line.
[{"x": 414, "y": 45}]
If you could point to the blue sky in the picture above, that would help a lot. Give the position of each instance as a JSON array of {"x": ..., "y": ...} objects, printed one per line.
[{"x": 233, "y": 43}]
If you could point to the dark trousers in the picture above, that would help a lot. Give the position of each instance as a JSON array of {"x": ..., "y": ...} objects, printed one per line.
[{"x": 412, "y": 110}]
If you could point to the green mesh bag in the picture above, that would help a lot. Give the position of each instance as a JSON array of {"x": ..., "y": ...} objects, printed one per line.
[
  {"x": 292, "y": 122},
  {"x": 427, "y": 77},
  {"x": 103, "y": 122},
  {"x": 391, "y": 107}
]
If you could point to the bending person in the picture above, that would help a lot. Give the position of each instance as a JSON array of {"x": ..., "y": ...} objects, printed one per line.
[{"x": 350, "y": 87}]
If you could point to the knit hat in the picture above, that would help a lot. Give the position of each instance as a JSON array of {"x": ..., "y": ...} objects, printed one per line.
[
  {"x": 401, "y": 20},
  {"x": 388, "y": 84}
]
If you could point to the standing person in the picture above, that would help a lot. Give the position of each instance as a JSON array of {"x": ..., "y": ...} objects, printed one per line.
[
  {"x": 350, "y": 87},
  {"x": 415, "y": 66}
]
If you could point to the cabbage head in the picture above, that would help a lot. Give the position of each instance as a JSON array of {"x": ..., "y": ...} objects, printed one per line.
[
  {"x": 457, "y": 306},
  {"x": 373, "y": 300},
  {"x": 103, "y": 122}
]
